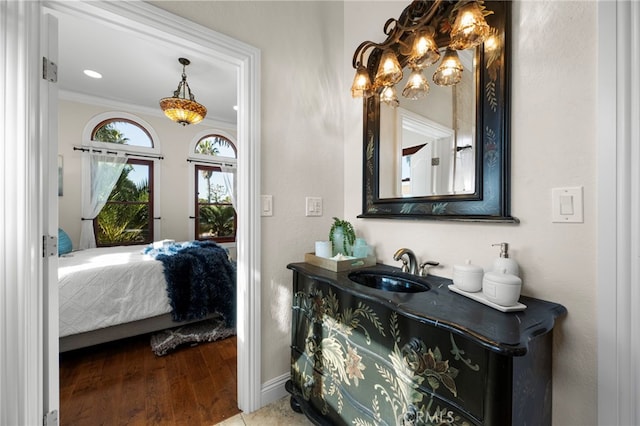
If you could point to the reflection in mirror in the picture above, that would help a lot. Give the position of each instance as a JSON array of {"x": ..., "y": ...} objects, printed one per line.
[{"x": 430, "y": 146}]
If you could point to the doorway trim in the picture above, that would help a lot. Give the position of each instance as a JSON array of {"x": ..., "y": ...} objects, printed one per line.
[
  {"x": 150, "y": 21},
  {"x": 618, "y": 228}
]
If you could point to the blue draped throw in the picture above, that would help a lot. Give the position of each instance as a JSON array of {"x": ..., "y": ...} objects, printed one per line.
[{"x": 201, "y": 280}]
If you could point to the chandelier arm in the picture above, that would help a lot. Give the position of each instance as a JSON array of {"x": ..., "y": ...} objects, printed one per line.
[
  {"x": 411, "y": 24},
  {"x": 387, "y": 29},
  {"x": 191, "y": 95},
  {"x": 358, "y": 56},
  {"x": 359, "y": 53},
  {"x": 176, "y": 93},
  {"x": 395, "y": 29}
]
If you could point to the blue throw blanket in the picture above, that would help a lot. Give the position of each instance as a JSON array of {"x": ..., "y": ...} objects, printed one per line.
[{"x": 201, "y": 279}]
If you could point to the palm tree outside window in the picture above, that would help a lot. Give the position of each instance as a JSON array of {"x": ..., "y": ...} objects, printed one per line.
[
  {"x": 215, "y": 215},
  {"x": 127, "y": 216}
]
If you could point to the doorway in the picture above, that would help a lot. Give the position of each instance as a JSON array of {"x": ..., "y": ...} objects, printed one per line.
[{"x": 148, "y": 21}]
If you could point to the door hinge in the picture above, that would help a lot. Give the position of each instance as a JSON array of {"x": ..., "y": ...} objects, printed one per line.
[
  {"x": 49, "y": 70},
  {"x": 49, "y": 246},
  {"x": 51, "y": 418}
]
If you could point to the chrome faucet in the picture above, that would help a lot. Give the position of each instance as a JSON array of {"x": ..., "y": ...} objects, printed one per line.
[{"x": 413, "y": 262}]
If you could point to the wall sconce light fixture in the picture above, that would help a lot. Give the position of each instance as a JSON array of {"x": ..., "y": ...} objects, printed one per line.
[
  {"x": 180, "y": 108},
  {"x": 411, "y": 41}
]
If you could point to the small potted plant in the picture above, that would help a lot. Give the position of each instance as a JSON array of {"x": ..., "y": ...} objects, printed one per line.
[{"x": 342, "y": 237}]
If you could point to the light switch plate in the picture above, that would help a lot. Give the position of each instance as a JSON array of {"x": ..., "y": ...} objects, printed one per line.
[
  {"x": 266, "y": 208},
  {"x": 313, "y": 206},
  {"x": 567, "y": 205}
]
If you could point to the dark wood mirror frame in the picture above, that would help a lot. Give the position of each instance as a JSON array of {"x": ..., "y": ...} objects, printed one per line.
[{"x": 491, "y": 200}]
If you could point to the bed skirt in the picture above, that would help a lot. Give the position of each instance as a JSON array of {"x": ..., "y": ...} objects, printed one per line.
[{"x": 121, "y": 331}]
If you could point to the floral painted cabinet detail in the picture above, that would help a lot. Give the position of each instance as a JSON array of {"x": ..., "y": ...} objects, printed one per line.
[{"x": 356, "y": 360}]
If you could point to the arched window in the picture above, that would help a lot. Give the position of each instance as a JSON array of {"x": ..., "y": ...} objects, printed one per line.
[
  {"x": 214, "y": 157},
  {"x": 122, "y": 131},
  {"x": 117, "y": 163},
  {"x": 217, "y": 146}
]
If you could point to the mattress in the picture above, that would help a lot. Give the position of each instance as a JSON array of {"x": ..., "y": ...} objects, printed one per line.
[{"x": 106, "y": 286}]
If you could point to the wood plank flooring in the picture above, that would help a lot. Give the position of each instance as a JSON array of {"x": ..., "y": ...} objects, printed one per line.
[{"x": 125, "y": 383}]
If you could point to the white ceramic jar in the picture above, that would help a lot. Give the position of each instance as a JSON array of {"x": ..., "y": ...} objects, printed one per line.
[
  {"x": 468, "y": 277},
  {"x": 501, "y": 288}
]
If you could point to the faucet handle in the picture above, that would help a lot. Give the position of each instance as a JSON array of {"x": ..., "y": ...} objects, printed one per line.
[
  {"x": 405, "y": 266},
  {"x": 423, "y": 270}
]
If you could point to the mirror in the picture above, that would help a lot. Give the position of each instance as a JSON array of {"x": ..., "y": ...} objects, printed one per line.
[
  {"x": 429, "y": 144},
  {"x": 444, "y": 156}
]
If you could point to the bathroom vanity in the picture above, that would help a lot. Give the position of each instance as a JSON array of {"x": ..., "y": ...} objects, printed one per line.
[{"x": 424, "y": 355}]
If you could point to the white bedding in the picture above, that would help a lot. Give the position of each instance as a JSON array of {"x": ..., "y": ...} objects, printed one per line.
[{"x": 107, "y": 286}]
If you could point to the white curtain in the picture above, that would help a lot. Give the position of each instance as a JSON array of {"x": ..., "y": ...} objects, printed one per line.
[
  {"x": 229, "y": 176},
  {"x": 101, "y": 173}
]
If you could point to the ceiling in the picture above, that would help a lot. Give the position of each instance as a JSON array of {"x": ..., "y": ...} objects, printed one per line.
[{"x": 139, "y": 71}]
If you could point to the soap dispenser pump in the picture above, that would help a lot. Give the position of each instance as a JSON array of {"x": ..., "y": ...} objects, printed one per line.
[{"x": 504, "y": 262}]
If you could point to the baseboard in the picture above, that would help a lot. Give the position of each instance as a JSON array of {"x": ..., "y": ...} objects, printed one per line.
[{"x": 273, "y": 390}]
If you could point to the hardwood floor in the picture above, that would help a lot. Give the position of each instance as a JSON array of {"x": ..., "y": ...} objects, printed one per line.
[{"x": 125, "y": 383}]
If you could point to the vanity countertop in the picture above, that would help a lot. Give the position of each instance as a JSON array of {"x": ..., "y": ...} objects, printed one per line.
[{"x": 506, "y": 333}]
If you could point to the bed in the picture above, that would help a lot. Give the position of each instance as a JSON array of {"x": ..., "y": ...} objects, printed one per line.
[{"x": 111, "y": 293}]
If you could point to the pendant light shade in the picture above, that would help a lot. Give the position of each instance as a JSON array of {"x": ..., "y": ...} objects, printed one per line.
[
  {"x": 425, "y": 50},
  {"x": 361, "y": 86},
  {"x": 389, "y": 96},
  {"x": 450, "y": 70},
  {"x": 182, "y": 106},
  {"x": 417, "y": 85},
  {"x": 389, "y": 71},
  {"x": 470, "y": 29}
]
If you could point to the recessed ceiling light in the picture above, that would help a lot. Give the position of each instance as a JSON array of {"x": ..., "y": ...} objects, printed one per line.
[
  {"x": 235, "y": 107},
  {"x": 92, "y": 74}
]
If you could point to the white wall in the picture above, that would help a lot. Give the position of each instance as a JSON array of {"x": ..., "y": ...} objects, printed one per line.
[
  {"x": 174, "y": 141},
  {"x": 553, "y": 142},
  {"x": 301, "y": 144}
]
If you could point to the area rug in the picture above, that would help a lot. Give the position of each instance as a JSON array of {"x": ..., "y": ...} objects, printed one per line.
[{"x": 210, "y": 330}]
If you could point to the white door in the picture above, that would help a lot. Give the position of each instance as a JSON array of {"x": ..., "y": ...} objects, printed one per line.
[
  {"x": 421, "y": 171},
  {"x": 51, "y": 164}
]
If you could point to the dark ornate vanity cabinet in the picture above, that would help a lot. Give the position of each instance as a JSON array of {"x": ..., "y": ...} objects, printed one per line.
[{"x": 362, "y": 356}]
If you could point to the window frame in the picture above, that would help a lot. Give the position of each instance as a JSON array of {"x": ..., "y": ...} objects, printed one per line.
[
  {"x": 132, "y": 152},
  {"x": 198, "y": 204},
  {"x": 100, "y": 119},
  {"x": 196, "y": 159},
  {"x": 150, "y": 203}
]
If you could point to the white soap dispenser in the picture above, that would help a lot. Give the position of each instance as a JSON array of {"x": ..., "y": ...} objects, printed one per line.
[{"x": 504, "y": 262}]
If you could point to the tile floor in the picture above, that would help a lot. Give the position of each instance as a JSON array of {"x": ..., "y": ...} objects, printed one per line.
[{"x": 278, "y": 413}]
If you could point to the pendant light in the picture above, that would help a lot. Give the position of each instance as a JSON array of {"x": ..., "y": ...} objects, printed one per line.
[{"x": 180, "y": 108}]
